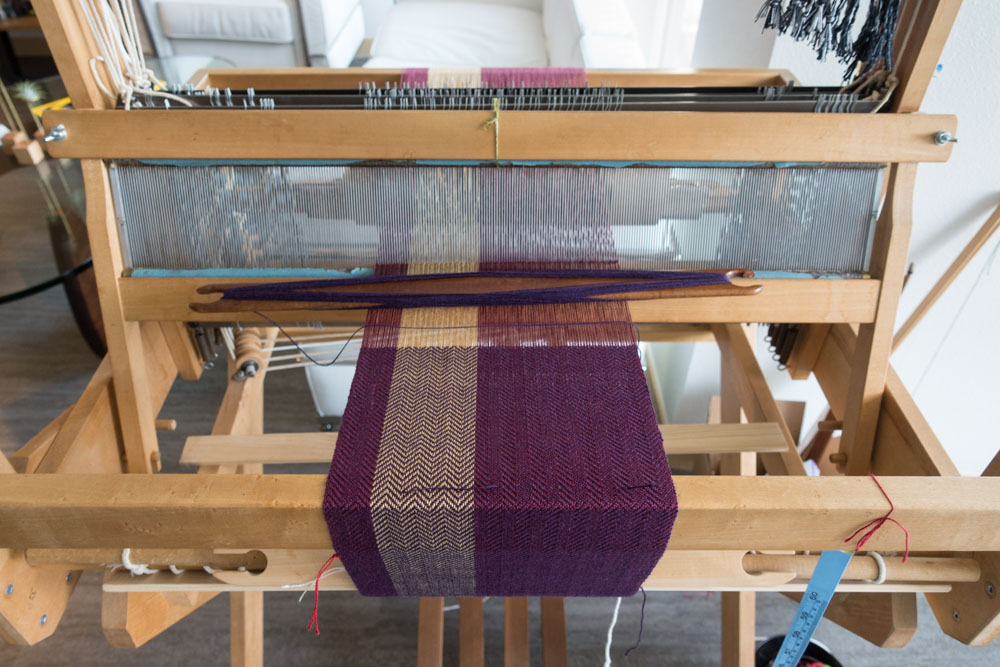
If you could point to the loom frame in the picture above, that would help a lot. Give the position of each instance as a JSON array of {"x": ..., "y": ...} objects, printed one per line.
[{"x": 46, "y": 537}]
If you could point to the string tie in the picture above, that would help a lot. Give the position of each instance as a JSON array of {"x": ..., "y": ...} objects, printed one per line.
[
  {"x": 873, "y": 526},
  {"x": 495, "y": 124},
  {"x": 314, "y": 621}
]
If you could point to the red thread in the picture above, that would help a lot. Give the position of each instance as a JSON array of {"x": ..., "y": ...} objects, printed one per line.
[
  {"x": 319, "y": 575},
  {"x": 875, "y": 524}
]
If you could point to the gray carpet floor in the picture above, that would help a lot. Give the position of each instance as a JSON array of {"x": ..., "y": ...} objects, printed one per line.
[{"x": 46, "y": 365}]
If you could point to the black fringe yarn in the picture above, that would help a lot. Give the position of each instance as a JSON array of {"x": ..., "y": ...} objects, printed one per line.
[{"x": 827, "y": 25}]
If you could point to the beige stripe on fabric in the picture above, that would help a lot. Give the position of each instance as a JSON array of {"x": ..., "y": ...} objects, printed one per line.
[
  {"x": 454, "y": 77},
  {"x": 422, "y": 495}
]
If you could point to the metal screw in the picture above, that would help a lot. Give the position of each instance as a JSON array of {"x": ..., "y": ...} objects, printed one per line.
[
  {"x": 240, "y": 375},
  {"x": 69, "y": 577},
  {"x": 954, "y": 615},
  {"x": 9, "y": 590},
  {"x": 44, "y": 620},
  {"x": 57, "y": 133},
  {"x": 990, "y": 590},
  {"x": 208, "y": 365},
  {"x": 943, "y": 137}
]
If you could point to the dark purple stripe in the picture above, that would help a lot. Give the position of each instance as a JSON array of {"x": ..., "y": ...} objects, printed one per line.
[
  {"x": 347, "y": 502},
  {"x": 414, "y": 77},
  {"x": 573, "y": 491}
]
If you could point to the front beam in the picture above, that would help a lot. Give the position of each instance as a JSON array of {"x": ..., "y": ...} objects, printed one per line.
[{"x": 284, "y": 512}]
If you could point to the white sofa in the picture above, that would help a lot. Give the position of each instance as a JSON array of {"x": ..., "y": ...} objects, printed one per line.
[
  {"x": 507, "y": 33},
  {"x": 258, "y": 33}
]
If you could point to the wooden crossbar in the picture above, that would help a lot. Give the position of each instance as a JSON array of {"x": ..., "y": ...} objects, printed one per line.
[
  {"x": 284, "y": 511},
  {"x": 525, "y": 135},
  {"x": 276, "y": 448},
  {"x": 781, "y": 300}
]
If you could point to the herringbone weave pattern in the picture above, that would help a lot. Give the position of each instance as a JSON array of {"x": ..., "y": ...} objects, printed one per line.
[{"x": 500, "y": 450}]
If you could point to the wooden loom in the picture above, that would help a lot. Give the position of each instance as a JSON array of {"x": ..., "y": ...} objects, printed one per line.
[{"x": 55, "y": 520}]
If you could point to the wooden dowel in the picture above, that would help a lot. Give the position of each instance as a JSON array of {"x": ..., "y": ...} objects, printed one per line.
[
  {"x": 945, "y": 281},
  {"x": 166, "y": 424},
  {"x": 864, "y": 568},
  {"x": 554, "y": 649}
]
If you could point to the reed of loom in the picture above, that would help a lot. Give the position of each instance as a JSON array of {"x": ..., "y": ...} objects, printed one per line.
[{"x": 197, "y": 520}]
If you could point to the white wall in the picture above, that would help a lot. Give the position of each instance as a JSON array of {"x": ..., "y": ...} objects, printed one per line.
[{"x": 951, "y": 362}]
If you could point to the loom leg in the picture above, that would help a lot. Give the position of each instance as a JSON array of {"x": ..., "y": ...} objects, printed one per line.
[
  {"x": 246, "y": 610},
  {"x": 430, "y": 632},
  {"x": 870, "y": 362},
  {"x": 738, "y": 608},
  {"x": 971, "y": 612},
  {"x": 554, "y": 650},
  {"x": 516, "y": 633},
  {"x": 470, "y": 632},
  {"x": 246, "y": 629}
]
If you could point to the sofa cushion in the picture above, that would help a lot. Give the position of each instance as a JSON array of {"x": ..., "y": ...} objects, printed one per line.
[
  {"x": 261, "y": 21},
  {"x": 461, "y": 34}
]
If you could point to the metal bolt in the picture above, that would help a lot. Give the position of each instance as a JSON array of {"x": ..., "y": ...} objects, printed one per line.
[
  {"x": 9, "y": 590},
  {"x": 69, "y": 577},
  {"x": 208, "y": 365},
  {"x": 57, "y": 133},
  {"x": 943, "y": 137},
  {"x": 954, "y": 615},
  {"x": 990, "y": 590},
  {"x": 250, "y": 368},
  {"x": 44, "y": 620},
  {"x": 240, "y": 375}
]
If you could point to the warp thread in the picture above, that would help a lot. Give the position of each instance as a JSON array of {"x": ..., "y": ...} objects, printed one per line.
[
  {"x": 314, "y": 621},
  {"x": 873, "y": 526}
]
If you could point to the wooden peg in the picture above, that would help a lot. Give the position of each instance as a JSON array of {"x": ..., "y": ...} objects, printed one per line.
[{"x": 166, "y": 424}]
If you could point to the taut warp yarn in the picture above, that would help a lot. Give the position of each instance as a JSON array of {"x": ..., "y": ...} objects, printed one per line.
[{"x": 499, "y": 450}]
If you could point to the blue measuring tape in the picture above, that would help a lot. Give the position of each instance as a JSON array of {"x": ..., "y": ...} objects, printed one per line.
[{"x": 828, "y": 573}]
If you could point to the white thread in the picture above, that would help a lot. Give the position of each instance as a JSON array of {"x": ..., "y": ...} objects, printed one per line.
[
  {"x": 880, "y": 579},
  {"x": 208, "y": 568},
  {"x": 175, "y": 569},
  {"x": 611, "y": 630},
  {"x": 115, "y": 30},
  {"x": 312, "y": 582},
  {"x": 135, "y": 568}
]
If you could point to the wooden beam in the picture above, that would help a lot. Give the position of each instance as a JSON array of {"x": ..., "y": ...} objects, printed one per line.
[
  {"x": 887, "y": 620},
  {"x": 904, "y": 441},
  {"x": 430, "y": 632},
  {"x": 310, "y": 78},
  {"x": 808, "y": 343},
  {"x": 125, "y": 339},
  {"x": 27, "y": 458},
  {"x": 182, "y": 348},
  {"x": 755, "y": 396},
  {"x": 129, "y": 620},
  {"x": 161, "y": 299},
  {"x": 275, "y": 448},
  {"x": 246, "y": 629},
  {"x": 284, "y": 512},
  {"x": 524, "y": 135},
  {"x": 974, "y": 245},
  {"x": 920, "y": 54},
  {"x": 870, "y": 363},
  {"x": 72, "y": 48},
  {"x": 516, "y": 632}
]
